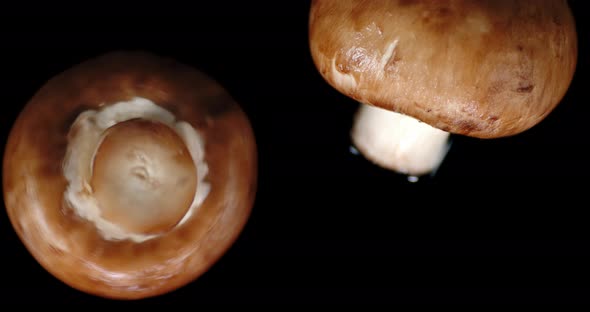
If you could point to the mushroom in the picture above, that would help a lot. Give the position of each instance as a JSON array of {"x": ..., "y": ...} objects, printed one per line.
[
  {"x": 423, "y": 70},
  {"x": 129, "y": 175}
]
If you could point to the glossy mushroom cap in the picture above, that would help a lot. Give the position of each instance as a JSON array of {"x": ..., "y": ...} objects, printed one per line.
[
  {"x": 485, "y": 69},
  {"x": 129, "y": 175}
]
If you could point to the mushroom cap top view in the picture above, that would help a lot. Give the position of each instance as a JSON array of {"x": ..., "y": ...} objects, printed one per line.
[
  {"x": 130, "y": 174},
  {"x": 484, "y": 69}
]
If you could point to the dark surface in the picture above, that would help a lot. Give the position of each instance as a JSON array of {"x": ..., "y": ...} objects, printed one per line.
[{"x": 502, "y": 220}]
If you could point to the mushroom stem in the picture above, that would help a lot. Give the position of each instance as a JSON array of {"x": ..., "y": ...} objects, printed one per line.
[
  {"x": 398, "y": 142},
  {"x": 134, "y": 170}
]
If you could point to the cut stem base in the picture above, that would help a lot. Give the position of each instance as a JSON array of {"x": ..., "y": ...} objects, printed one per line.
[{"x": 398, "y": 142}]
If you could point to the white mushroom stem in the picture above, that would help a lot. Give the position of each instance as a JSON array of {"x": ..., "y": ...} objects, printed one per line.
[
  {"x": 398, "y": 142},
  {"x": 132, "y": 179}
]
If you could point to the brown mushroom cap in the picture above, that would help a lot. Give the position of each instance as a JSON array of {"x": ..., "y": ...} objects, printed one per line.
[
  {"x": 479, "y": 68},
  {"x": 71, "y": 247}
]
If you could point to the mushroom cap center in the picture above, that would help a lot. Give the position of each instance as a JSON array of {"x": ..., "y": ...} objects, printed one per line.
[{"x": 143, "y": 176}]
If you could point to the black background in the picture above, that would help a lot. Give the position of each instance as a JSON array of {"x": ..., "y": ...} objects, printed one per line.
[{"x": 501, "y": 221}]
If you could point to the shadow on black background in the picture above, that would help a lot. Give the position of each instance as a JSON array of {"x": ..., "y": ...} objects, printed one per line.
[{"x": 502, "y": 220}]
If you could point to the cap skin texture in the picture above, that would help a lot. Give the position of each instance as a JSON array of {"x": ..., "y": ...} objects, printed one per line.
[
  {"x": 129, "y": 175},
  {"x": 484, "y": 69}
]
